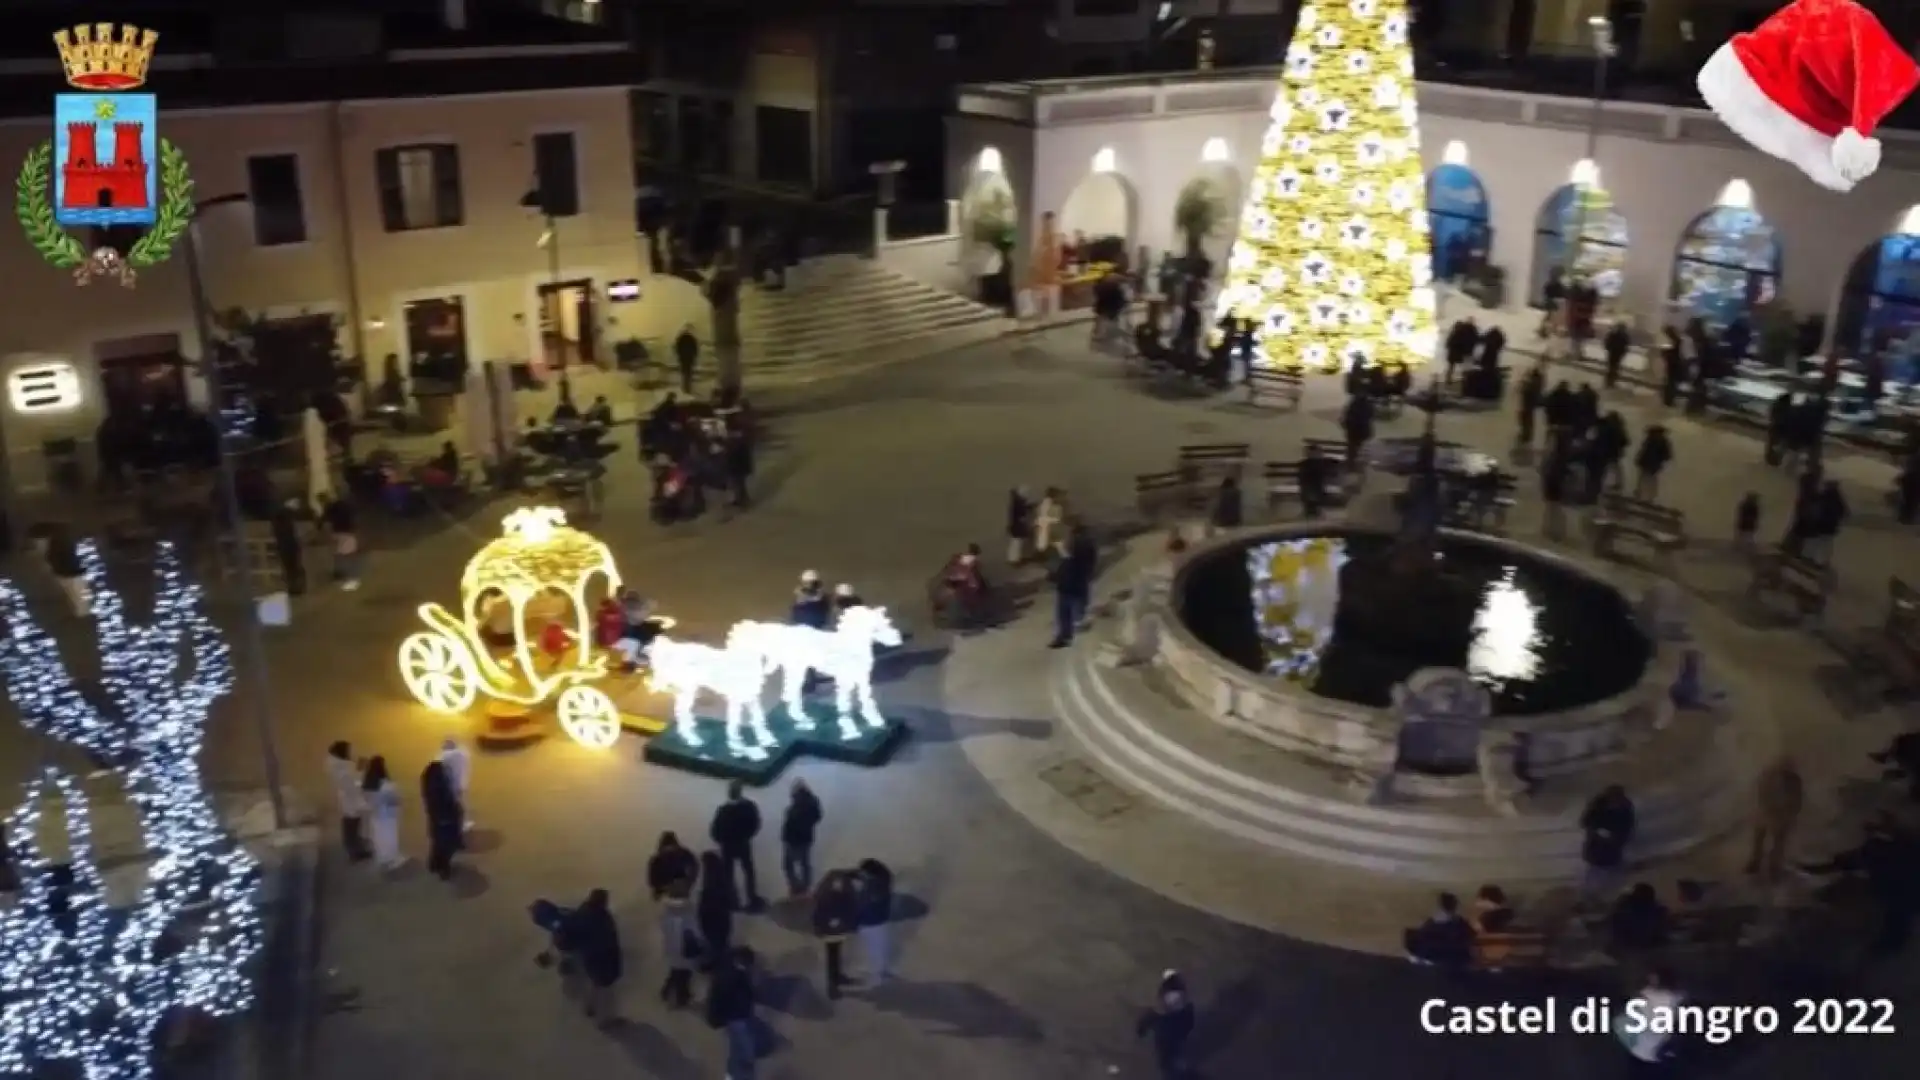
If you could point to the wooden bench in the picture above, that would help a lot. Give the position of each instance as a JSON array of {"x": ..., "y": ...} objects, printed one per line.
[
  {"x": 1213, "y": 461},
  {"x": 1285, "y": 386},
  {"x": 1334, "y": 450},
  {"x": 1513, "y": 948},
  {"x": 1660, "y": 527},
  {"x": 1805, "y": 582},
  {"x": 1281, "y": 479},
  {"x": 1161, "y": 493}
]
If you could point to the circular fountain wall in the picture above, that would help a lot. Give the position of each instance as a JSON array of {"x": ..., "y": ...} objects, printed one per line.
[{"x": 1264, "y": 639}]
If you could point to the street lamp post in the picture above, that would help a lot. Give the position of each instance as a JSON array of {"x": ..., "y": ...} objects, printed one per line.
[
  {"x": 1586, "y": 188},
  {"x": 256, "y": 649}
]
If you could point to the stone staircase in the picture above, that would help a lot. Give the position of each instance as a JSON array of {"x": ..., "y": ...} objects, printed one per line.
[
  {"x": 848, "y": 310},
  {"x": 1691, "y": 786}
]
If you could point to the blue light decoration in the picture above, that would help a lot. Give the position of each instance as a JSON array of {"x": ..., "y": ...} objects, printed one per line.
[
  {"x": 1880, "y": 308},
  {"x": 1728, "y": 264},
  {"x": 1602, "y": 254},
  {"x": 83, "y": 981},
  {"x": 1458, "y": 217},
  {"x": 1296, "y": 594}
]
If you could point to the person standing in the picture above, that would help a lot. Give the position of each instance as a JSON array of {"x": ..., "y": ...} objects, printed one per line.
[
  {"x": 350, "y": 800},
  {"x": 671, "y": 874},
  {"x": 341, "y": 523},
  {"x": 1073, "y": 587},
  {"x": 1462, "y": 340},
  {"x": 739, "y": 464},
  {"x": 730, "y": 1001},
  {"x": 63, "y": 559},
  {"x": 1019, "y": 524},
  {"x": 383, "y": 801},
  {"x": 1608, "y": 823},
  {"x": 735, "y": 825},
  {"x": 445, "y": 818},
  {"x": 836, "y": 911},
  {"x": 1047, "y": 520},
  {"x": 671, "y": 862},
  {"x": 1228, "y": 512},
  {"x": 1533, "y": 393},
  {"x": 1782, "y": 793},
  {"x": 1656, "y": 451},
  {"x": 1618, "y": 340},
  {"x": 797, "y": 829},
  {"x": 460, "y": 774},
  {"x": 1356, "y": 423},
  {"x": 875, "y": 918},
  {"x": 594, "y": 939},
  {"x": 1170, "y": 1022},
  {"x": 686, "y": 353},
  {"x": 714, "y": 907}
]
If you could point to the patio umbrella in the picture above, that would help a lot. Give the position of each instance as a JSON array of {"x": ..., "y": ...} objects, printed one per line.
[{"x": 313, "y": 441}]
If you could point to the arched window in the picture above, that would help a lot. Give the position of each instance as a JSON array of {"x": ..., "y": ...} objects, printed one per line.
[
  {"x": 1727, "y": 263},
  {"x": 1458, "y": 214},
  {"x": 1880, "y": 305},
  {"x": 1600, "y": 256}
]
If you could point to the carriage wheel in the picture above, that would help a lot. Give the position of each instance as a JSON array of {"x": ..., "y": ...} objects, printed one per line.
[
  {"x": 589, "y": 716},
  {"x": 438, "y": 672}
]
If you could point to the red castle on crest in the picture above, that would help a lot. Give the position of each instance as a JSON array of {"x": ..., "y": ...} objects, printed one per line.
[{"x": 120, "y": 181}]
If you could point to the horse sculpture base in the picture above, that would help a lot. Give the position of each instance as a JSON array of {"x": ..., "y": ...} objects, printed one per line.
[{"x": 872, "y": 748}]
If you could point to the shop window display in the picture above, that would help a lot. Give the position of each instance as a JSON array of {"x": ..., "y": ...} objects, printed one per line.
[
  {"x": 1880, "y": 306},
  {"x": 1458, "y": 217},
  {"x": 1601, "y": 254},
  {"x": 1728, "y": 263}
]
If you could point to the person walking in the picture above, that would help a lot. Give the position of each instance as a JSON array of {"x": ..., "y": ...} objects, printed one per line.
[
  {"x": 797, "y": 829},
  {"x": 383, "y": 800},
  {"x": 836, "y": 911},
  {"x": 341, "y": 523},
  {"x": 1047, "y": 521},
  {"x": 1019, "y": 524},
  {"x": 1781, "y": 793},
  {"x": 63, "y": 559},
  {"x": 1618, "y": 340},
  {"x": 714, "y": 906},
  {"x": 1073, "y": 586},
  {"x": 875, "y": 919},
  {"x": 459, "y": 765},
  {"x": 686, "y": 353},
  {"x": 1533, "y": 394},
  {"x": 730, "y": 1002},
  {"x": 671, "y": 874},
  {"x": 735, "y": 825},
  {"x": 351, "y": 802},
  {"x": 1170, "y": 1022},
  {"x": 594, "y": 940},
  {"x": 1228, "y": 506},
  {"x": 446, "y": 820},
  {"x": 1656, "y": 451}
]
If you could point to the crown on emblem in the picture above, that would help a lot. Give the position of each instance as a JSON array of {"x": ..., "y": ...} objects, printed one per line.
[{"x": 96, "y": 60}]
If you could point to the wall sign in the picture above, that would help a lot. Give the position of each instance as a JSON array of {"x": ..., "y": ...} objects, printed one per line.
[
  {"x": 44, "y": 388},
  {"x": 620, "y": 292}
]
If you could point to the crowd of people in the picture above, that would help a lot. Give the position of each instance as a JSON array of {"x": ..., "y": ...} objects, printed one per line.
[{"x": 694, "y": 447}]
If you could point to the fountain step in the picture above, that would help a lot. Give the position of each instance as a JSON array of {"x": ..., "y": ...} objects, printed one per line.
[{"x": 1691, "y": 785}]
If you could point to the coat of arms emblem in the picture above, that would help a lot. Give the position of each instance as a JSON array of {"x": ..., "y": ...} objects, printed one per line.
[{"x": 106, "y": 165}]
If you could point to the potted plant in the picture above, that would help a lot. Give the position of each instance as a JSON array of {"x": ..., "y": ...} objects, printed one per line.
[
  {"x": 991, "y": 229},
  {"x": 1199, "y": 214}
]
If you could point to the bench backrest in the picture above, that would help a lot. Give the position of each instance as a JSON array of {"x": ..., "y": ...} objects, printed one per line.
[
  {"x": 1281, "y": 470},
  {"x": 1331, "y": 449},
  {"x": 1621, "y": 506},
  {"x": 1215, "y": 452},
  {"x": 1269, "y": 375},
  {"x": 1160, "y": 481}
]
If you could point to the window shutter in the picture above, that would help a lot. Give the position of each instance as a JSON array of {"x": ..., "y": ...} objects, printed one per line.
[
  {"x": 386, "y": 169},
  {"x": 446, "y": 182}
]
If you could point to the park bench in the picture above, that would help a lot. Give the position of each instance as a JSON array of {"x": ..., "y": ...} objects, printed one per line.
[
  {"x": 1213, "y": 461},
  {"x": 1660, "y": 527},
  {"x": 1284, "y": 386},
  {"x": 1805, "y": 582},
  {"x": 1481, "y": 502},
  {"x": 1281, "y": 480},
  {"x": 1334, "y": 450},
  {"x": 1162, "y": 493},
  {"x": 1513, "y": 948}
]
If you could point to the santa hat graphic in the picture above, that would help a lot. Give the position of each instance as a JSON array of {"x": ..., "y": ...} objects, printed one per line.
[{"x": 1809, "y": 86}]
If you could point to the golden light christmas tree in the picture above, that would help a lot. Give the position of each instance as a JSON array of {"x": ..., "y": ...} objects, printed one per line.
[{"x": 1333, "y": 261}]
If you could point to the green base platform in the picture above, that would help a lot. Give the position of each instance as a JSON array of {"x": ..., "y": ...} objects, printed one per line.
[{"x": 873, "y": 748}]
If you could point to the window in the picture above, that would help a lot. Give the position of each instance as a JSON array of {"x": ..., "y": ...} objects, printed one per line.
[
  {"x": 556, "y": 175},
  {"x": 273, "y": 189},
  {"x": 419, "y": 187}
]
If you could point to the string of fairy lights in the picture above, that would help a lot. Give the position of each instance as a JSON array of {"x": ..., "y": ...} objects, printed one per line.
[{"x": 82, "y": 980}]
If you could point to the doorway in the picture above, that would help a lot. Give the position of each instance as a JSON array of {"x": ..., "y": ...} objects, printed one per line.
[
  {"x": 141, "y": 376},
  {"x": 437, "y": 342},
  {"x": 566, "y": 323}
]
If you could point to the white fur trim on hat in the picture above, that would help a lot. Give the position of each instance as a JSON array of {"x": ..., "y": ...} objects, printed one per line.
[{"x": 1740, "y": 104}]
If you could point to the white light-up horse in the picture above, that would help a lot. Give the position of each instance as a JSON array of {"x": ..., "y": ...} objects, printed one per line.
[
  {"x": 736, "y": 676},
  {"x": 843, "y": 654}
]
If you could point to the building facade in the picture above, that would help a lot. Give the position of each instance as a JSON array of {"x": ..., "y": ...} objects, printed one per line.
[{"x": 1110, "y": 157}]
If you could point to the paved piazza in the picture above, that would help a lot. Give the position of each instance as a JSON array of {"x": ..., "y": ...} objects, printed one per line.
[{"x": 1030, "y": 959}]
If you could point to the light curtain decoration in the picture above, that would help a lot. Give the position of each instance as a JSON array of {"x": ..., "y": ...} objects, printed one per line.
[{"x": 1333, "y": 261}]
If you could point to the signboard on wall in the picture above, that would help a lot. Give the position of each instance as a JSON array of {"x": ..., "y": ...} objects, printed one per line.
[
  {"x": 623, "y": 291},
  {"x": 44, "y": 388}
]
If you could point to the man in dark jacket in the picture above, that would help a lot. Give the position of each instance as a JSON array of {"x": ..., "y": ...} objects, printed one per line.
[
  {"x": 875, "y": 918},
  {"x": 1559, "y": 407},
  {"x": 1656, "y": 450},
  {"x": 797, "y": 830},
  {"x": 1608, "y": 823},
  {"x": 735, "y": 824},
  {"x": 1533, "y": 394},
  {"x": 1356, "y": 422},
  {"x": 672, "y": 869},
  {"x": 1461, "y": 341},
  {"x": 1617, "y": 342},
  {"x": 686, "y": 353},
  {"x": 591, "y": 936},
  {"x": 730, "y": 1001},
  {"x": 836, "y": 911},
  {"x": 1073, "y": 586},
  {"x": 1170, "y": 1022}
]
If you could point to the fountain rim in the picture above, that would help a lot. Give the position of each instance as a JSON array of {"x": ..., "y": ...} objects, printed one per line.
[{"x": 1175, "y": 625}]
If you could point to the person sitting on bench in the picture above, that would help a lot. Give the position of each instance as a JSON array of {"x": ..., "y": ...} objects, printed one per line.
[
  {"x": 1445, "y": 940},
  {"x": 1316, "y": 482}
]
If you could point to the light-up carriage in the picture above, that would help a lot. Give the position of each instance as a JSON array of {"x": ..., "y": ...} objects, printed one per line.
[{"x": 525, "y": 632}]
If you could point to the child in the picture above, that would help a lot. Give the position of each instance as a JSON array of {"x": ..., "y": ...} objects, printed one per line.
[{"x": 1746, "y": 521}]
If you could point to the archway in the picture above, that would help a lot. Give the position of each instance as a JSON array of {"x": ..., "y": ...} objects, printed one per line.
[
  {"x": 1208, "y": 208},
  {"x": 1600, "y": 255},
  {"x": 1880, "y": 305},
  {"x": 1099, "y": 211},
  {"x": 1458, "y": 215},
  {"x": 1728, "y": 263},
  {"x": 989, "y": 227}
]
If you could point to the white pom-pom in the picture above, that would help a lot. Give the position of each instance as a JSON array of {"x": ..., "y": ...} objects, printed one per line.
[{"x": 1855, "y": 156}]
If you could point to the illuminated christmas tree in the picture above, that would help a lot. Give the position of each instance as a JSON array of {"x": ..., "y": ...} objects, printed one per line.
[{"x": 1333, "y": 261}]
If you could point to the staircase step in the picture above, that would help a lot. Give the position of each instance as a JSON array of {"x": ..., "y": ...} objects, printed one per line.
[
  {"x": 858, "y": 339},
  {"x": 1688, "y": 791}
]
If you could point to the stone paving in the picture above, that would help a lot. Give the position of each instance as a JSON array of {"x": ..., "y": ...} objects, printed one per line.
[{"x": 1021, "y": 958}]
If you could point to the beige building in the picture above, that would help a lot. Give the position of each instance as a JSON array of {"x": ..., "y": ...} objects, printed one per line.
[{"x": 401, "y": 220}]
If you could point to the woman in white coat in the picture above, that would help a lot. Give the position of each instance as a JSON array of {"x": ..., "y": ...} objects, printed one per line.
[
  {"x": 459, "y": 766},
  {"x": 1047, "y": 520},
  {"x": 384, "y": 801}
]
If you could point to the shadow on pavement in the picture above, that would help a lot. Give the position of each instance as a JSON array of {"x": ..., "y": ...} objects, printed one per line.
[
  {"x": 469, "y": 883},
  {"x": 655, "y": 1051},
  {"x": 940, "y": 726},
  {"x": 967, "y": 1010}
]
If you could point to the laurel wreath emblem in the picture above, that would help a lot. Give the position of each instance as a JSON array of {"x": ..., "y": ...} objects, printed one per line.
[{"x": 34, "y": 204}]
